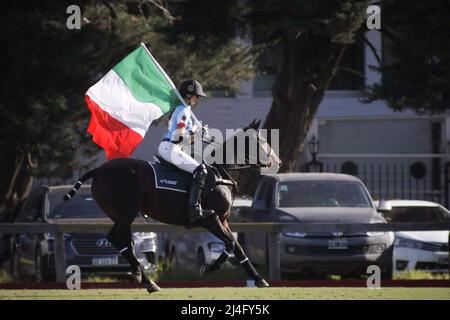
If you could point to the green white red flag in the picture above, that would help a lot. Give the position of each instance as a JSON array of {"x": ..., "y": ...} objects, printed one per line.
[{"x": 126, "y": 100}]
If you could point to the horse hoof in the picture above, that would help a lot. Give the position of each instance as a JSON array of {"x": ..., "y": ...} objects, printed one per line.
[
  {"x": 261, "y": 283},
  {"x": 204, "y": 269},
  {"x": 152, "y": 287}
]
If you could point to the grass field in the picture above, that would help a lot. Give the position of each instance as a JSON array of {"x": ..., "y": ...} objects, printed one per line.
[
  {"x": 227, "y": 274},
  {"x": 235, "y": 294}
]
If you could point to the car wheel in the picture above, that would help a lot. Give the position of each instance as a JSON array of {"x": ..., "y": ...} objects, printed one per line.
[{"x": 201, "y": 260}]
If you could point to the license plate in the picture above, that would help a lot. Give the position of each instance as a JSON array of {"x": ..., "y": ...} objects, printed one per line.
[
  {"x": 337, "y": 244},
  {"x": 105, "y": 261}
]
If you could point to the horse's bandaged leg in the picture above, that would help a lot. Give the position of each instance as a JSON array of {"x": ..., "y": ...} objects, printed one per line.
[
  {"x": 128, "y": 254},
  {"x": 243, "y": 261},
  {"x": 220, "y": 261}
]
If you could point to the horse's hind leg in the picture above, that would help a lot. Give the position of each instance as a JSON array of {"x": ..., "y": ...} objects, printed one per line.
[{"x": 120, "y": 237}]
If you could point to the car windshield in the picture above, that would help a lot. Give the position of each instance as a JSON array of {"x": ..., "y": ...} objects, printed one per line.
[
  {"x": 322, "y": 194},
  {"x": 417, "y": 214},
  {"x": 80, "y": 206}
]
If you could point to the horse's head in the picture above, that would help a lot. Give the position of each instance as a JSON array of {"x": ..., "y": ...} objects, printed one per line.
[
  {"x": 266, "y": 156},
  {"x": 244, "y": 148}
]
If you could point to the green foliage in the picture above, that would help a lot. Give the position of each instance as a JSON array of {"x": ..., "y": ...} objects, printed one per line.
[
  {"x": 336, "y": 20},
  {"x": 5, "y": 277},
  {"x": 420, "y": 275},
  {"x": 49, "y": 68},
  {"x": 216, "y": 68},
  {"x": 417, "y": 73},
  {"x": 209, "y": 23}
]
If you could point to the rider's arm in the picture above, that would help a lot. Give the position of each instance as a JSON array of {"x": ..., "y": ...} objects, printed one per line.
[{"x": 181, "y": 126}]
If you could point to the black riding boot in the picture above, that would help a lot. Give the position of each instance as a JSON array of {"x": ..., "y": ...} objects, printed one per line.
[{"x": 198, "y": 182}]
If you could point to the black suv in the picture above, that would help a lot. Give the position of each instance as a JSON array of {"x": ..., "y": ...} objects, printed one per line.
[
  {"x": 33, "y": 254},
  {"x": 319, "y": 198}
]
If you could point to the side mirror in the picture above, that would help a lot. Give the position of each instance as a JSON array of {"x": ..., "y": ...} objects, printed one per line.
[{"x": 384, "y": 206}]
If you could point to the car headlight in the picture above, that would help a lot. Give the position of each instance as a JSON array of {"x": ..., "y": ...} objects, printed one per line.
[
  {"x": 375, "y": 233},
  {"x": 295, "y": 234},
  {"x": 216, "y": 246},
  {"x": 407, "y": 243}
]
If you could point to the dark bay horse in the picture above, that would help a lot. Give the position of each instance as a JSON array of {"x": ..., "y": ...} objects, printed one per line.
[{"x": 123, "y": 188}]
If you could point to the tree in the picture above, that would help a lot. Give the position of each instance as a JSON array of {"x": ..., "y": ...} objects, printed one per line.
[
  {"x": 313, "y": 36},
  {"x": 49, "y": 68},
  {"x": 416, "y": 71}
]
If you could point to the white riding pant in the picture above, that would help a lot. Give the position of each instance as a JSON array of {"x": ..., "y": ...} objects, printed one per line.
[{"x": 174, "y": 154}]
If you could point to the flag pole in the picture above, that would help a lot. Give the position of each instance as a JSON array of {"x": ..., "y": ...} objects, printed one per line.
[{"x": 171, "y": 84}]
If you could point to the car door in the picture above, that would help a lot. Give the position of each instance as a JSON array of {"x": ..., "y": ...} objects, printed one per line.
[{"x": 26, "y": 243}]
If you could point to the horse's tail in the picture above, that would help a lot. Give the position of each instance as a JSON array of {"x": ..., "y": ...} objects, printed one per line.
[{"x": 83, "y": 179}]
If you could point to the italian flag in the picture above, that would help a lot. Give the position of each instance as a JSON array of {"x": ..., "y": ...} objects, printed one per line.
[{"x": 126, "y": 100}]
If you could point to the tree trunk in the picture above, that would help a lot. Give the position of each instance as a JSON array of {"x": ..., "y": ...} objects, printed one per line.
[
  {"x": 15, "y": 185},
  {"x": 309, "y": 65}
]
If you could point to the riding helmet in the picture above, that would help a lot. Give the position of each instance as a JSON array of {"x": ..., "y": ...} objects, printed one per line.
[{"x": 188, "y": 88}]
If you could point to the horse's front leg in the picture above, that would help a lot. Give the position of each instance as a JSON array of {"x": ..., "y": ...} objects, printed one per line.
[
  {"x": 245, "y": 261},
  {"x": 213, "y": 225},
  {"x": 222, "y": 231},
  {"x": 248, "y": 266},
  {"x": 217, "y": 264}
]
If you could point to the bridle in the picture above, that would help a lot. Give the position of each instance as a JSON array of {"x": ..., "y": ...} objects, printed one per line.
[{"x": 257, "y": 164}]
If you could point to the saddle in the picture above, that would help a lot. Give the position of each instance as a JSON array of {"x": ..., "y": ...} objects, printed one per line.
[{"x": 170, "y": 177}]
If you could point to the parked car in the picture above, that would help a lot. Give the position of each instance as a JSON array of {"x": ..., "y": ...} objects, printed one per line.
[
  {"x": 419, "y": 250},
  {"x": 319, "y": 198},
  {"x": 240, "y": 208},
  {"x": 192, "y": 250},
  {"x": 33, "y": 254}
]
